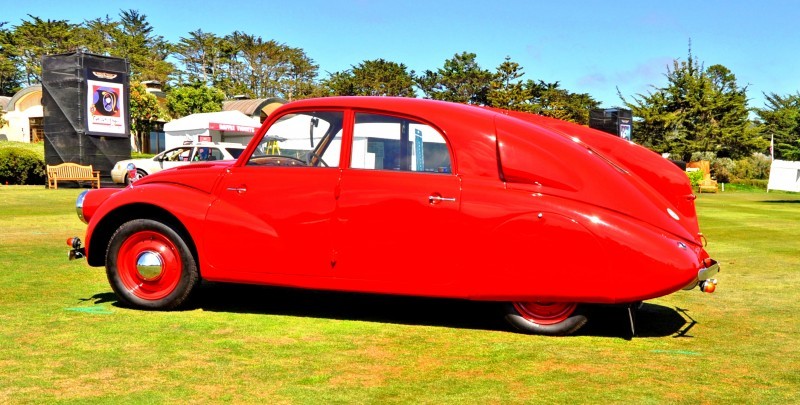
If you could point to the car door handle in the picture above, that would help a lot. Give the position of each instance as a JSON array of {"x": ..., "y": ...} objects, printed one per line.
[
  {"x": 240, "y": 189},
  {"x": 435, "y": 199}
]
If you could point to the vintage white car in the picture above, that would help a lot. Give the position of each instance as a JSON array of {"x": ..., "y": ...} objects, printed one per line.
[{"x": 179, "y": 156}]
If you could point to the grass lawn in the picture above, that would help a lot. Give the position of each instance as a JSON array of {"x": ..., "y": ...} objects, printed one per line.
[{"x": 63, "y": 339}]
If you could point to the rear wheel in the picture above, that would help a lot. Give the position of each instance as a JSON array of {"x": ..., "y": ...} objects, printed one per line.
[
  {"x": 150, "y": 266},
  {"x": 545, "y": 318}
]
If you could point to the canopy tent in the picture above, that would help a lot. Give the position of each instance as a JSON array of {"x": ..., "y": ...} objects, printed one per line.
[
  {"x": 223, "y": 126},
  {"x": 784, "y": 175}
]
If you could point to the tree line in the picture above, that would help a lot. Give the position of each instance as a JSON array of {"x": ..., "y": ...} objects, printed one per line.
[{"x": 698, "y": 110}]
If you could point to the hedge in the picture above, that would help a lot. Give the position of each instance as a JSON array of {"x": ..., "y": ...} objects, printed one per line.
[{"x": 21, "y": 166}]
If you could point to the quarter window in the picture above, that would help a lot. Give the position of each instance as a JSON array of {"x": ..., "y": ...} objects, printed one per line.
[{"x": 382, "y": 142}]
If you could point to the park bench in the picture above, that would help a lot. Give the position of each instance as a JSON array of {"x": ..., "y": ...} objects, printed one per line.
[
  {"x": 71, "y": 172},
  {"x": 708, "y": 186}
]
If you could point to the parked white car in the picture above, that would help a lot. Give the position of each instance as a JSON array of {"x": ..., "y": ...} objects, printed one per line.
[{"x": 181, "y": 155}]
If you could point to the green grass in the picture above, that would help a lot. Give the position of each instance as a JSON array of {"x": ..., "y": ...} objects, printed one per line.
[
  {"x": 137, "y": 155},
  {"x": 63, "y": 339}
]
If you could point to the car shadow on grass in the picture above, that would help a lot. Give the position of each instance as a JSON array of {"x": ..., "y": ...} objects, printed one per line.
[{"x": 652, "y": 320}]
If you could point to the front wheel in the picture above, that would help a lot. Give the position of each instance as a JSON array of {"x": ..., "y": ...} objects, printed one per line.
[
  {"x": 545, "y": 318},
  {"x": 139, "y": 174},
  {"x": 150, "y": 266}
]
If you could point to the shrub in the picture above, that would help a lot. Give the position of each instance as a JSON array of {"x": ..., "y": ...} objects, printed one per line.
[
  {"x": 21, "y": 166},
  {"x": 754, "y": 167},
  {"x": 722, "y": 168},
  {"x": 695, "y": 177},
  {"x": 762, "y": 164}
]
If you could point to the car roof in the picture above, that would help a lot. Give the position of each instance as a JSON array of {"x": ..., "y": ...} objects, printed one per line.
[{"x": 406, "y": 105}]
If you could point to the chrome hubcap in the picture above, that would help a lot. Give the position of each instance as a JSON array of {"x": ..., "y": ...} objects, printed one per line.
[{"x": 149, "y": 264}]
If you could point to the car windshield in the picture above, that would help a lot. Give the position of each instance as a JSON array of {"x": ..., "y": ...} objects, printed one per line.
[{"x": 307, "y": 137}]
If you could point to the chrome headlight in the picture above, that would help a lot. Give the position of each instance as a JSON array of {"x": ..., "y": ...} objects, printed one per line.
[{"x": 79, "y": 206}]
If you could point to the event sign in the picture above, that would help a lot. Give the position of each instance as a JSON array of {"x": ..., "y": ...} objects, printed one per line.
[{"x": 105, "y": 104}]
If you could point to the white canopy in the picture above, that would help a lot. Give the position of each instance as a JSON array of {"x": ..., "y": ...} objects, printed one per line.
[
  {"x": 206, "y": 121},
  {"x": 222, "y": 126},
  {"x": 784, "y": 175}
]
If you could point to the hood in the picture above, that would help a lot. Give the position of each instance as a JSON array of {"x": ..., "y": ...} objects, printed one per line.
[{"x": 202, "y": 176}]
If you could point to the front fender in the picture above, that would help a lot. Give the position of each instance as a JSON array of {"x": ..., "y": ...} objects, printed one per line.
[{"x": 182, "y": 207}]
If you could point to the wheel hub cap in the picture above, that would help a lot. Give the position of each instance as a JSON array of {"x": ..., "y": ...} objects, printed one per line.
[
  {"x": 545, "y": 313},
  {"x": 150, "y": 265}
]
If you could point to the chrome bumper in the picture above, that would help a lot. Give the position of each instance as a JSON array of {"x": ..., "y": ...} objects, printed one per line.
[{"x": 705, "y": 276}]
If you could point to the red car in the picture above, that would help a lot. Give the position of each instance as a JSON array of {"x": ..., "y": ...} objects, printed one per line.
[{"x": 413, "y": 197}]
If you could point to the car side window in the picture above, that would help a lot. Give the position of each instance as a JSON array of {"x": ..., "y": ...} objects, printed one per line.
[
  {"x": 205, "y": 153},
  {"x": 234, "y": 152},
  {"x": 382, "y": 142},
  {"x": 311, "y": 138},
  {"x": 178, "y": 154},
  {"x": 215, "y": 154}
]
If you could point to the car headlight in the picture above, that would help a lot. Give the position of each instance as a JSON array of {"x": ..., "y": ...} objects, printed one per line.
[{"x": 79, "y": 206}]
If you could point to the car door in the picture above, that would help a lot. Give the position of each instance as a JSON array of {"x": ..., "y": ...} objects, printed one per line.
[
  {"x": 398, "y": 214},
  {"x": 274, "y": 214}
]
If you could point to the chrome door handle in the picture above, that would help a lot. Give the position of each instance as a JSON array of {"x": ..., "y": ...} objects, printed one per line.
[
  {"x": 240, "y": 190},
  {"x": 435, "y": 199}
]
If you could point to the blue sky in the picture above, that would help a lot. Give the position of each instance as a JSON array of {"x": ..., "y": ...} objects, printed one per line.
[{"x": 590, "y": 47}]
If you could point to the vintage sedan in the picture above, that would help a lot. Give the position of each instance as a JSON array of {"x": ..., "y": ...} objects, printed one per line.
[
  {"x": 174, "y": 157},
  {"x": 413, "y": 197}
]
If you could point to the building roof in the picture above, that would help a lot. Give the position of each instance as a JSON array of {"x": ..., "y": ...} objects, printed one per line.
[
  {"x": 11, "y": 105},
  {"x": 258, "y": 108},
  {"x": 4, "y": 103}
]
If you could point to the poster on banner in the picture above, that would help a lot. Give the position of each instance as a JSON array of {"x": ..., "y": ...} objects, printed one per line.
[{"x": 105, "y": 102}]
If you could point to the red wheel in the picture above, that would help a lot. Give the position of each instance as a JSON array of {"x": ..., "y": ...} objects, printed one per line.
[
  {"x": 545, "y": 313},
  {"x": 150, "y": 266},
  {"x": 545, "y": 318}
]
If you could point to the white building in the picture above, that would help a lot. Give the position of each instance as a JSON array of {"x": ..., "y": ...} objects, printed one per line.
[{"x": 24, "y": 114}]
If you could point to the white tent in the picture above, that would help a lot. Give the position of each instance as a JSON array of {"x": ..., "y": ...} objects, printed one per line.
[
  {"x": 223, "y": 126},
  {"x": 784, "y": 175}
]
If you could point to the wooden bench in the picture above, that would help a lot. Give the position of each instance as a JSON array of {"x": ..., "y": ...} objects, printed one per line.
[
  {"x": 71, "y": 172},
  {"x": 708, "y": 185}
]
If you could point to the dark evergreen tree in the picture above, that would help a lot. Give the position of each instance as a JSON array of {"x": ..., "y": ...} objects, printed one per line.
[
  {"x": 780, "y": 123},
  {"x": 145, "y": 51},
  {"x": 10, "y": 81},
  {"x": 372, "y": 78},
  {"x": 699, "y": 110},
  {"x": 35, "y": 38},
  {"x": 460, "y": 80}
]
